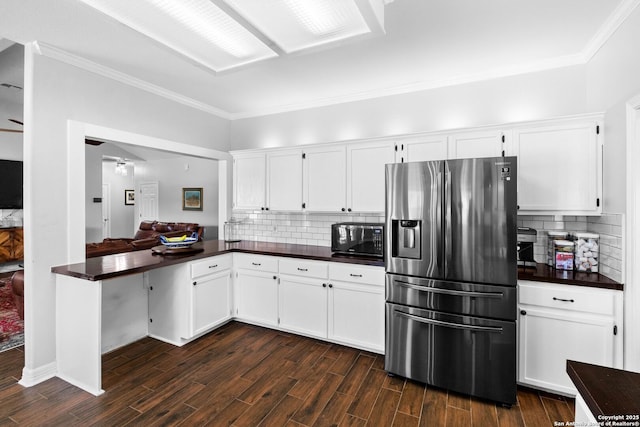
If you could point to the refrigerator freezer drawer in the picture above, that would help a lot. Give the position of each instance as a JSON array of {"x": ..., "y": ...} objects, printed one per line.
[
  {"x": 472, "y": 299},
  {"x": 459, "y": 353}
]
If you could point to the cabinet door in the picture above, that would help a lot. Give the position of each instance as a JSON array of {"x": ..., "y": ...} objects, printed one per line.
[
  {"x": 169, "y": 303},
  {"x": 303, "y": 305},
  {"x": 284, "y": 180},
  {"x": 356, "y": 315},
  {"x": 365, "y": 175},
  {"x": 249, "y": 173},
  {"x": 428, "y": 148},
  {"x": 6, "y": 245},
  {"x": 475, "y": 144},
  {"x": 210, "y": 302},
  {"x": 549, "y": 337},
  {"x": 558, "y": 168},
  {"x": 257, "y": 297},
  {"x": 324, "y": 179}
]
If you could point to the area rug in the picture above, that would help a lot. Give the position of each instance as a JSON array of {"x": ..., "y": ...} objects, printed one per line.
[{"x": 11, "y": 326}]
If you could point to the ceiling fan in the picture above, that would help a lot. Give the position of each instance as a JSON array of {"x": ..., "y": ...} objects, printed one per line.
[{"x": 13, "y": 130}]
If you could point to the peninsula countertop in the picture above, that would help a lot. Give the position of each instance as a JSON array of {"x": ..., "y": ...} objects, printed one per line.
[{"x": 110, "y": 266}]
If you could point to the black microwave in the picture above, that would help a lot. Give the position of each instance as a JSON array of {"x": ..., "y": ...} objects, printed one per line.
[{"x": 358, "y": 238}]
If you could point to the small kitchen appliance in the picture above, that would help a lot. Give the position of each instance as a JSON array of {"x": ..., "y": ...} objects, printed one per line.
[
  {"x": 451, "y": 262},
  {"x": 526, "y": 239},
  {"x": 358, "y": 238}
]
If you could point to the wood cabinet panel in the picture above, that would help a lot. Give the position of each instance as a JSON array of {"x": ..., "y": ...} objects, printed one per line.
[{"x": 11, "y": 244}]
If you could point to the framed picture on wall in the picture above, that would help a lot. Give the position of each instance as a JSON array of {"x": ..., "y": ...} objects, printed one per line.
[
  {"x": 129, "y": 197},
  {"x": 192, "y": 199}
]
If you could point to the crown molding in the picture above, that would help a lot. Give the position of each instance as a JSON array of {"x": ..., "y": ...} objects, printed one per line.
[
  {"x": 610, "y": 25},
  {"x": 53, "y": 52}
]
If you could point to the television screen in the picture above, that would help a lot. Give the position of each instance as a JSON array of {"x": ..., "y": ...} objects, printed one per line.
[{"x": 10, "y": 184}]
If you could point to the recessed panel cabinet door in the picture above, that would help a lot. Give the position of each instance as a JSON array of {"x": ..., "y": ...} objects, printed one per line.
[
  {"x": 303, "y": 305},
  {"x": 549, "y": 337},
  {"x": 210, "y": 301},
  {"x": 558, "y": 168},
  {"x": 284, "y": 180},
  {"x": 249, "y": 173},
  {"x": 365, "y": 175},
  {"x": 427, "y": 148},
  {"x": 324, "y": 182},
  {"x": 257, "y": 297},
  {"x": 356, "y": 314},
  {"x": 475, "y": 144}
]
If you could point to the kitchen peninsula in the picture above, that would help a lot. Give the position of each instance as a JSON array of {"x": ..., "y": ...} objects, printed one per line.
[
  {"x": 109, "y": 301},
  {"x": 141, "y": 280}
]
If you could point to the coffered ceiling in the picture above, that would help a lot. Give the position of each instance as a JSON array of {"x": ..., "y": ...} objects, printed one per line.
[{"x": 425, "y": 44}]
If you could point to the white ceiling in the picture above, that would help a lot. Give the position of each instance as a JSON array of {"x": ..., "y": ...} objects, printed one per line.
[{"x": 427, "y": 44}]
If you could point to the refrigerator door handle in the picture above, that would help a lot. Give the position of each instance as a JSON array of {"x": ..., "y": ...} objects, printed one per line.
[
  {"x": 446, "y": 207},
  {"x": 451, "y": 291},
  {"x": 497, "y": 329}
]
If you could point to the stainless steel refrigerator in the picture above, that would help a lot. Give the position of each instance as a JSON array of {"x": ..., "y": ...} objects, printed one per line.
[{"x": 451, "y": 262}]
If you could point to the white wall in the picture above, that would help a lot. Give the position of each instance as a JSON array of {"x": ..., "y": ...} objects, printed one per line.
[
  {"x": 613, "y": 77},
  {"x": 183, "y": 172},
  {"x": 122, "y": 216},
  {"x": 55, "y": 93},
  {"x": 532, "y": 96}
]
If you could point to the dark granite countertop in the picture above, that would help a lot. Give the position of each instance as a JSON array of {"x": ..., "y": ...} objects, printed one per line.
[
  {"x": 109, "y": 266},
  {"x": 105, "y": 267},
  {"x": 607, "y": 391},
  {"x": 544, "y": 273}
]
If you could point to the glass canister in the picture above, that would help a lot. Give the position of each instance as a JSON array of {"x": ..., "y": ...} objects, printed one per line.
[
  {"x": 232, "y": 230},
  {"x": 587, "y": 248},
  {"x": 551, "y": 236},
  {"x": 563, "y": 254}
]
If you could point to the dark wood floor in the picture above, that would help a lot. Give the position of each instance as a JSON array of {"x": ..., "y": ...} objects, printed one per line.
[{"x": 243, "y": 375}]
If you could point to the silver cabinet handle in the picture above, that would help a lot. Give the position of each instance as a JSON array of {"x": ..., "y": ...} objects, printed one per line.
[
  {"x": 213, "y": 266},
  {"x": 449, "y": 324},
  {"x": 451, "y": 291},
  {"x": 256, "y": 264},
  {"x": 302, "y": 269},
  {"x": 355, "y": 275}
]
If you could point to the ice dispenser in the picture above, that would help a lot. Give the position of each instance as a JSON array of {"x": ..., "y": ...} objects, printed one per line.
[{"x": 406, "y": 239}]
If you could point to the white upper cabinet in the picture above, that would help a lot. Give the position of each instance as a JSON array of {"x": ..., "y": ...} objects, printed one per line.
[
  {"x": 477, "y": 143},
  {"x": 249, "y": 187},
  {"x": 425, "y": 148},
  {"x": 365, "y": 175},
  {"x": 559, "y": 167},
  {"x": 284, "y": 180},
  {"x": 324, "y": 178}
]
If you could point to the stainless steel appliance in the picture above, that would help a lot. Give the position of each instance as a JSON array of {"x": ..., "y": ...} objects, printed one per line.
[
  {"x": 526, "y": 239},
  {"x": 450, "y": 255},
  {"x": 357, "y": 238}
]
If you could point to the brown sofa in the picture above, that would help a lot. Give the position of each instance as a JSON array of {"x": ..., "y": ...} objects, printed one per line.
[
  {"x": 17, "y": 287},
  {"x": 147, "y": 236}
]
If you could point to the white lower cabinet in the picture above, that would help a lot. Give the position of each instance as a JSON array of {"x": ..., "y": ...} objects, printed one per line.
[
  {"x": 187, "y": 300},
  {"x": 560, "y": 322},
  {"x": 303, "y": 305},
  {"x": 256, "y": 289}
]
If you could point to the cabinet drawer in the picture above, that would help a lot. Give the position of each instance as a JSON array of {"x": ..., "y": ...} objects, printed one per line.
[
  {"x": 567, "y": 297},
  {"x": 210, "y": 266},
  {"x": 299, "y": 267},
  {"x": 357, "y": 273},
  {"x": 256, "y": 262}
]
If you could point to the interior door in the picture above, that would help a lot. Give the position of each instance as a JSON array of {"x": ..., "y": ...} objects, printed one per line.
[
  {"x": 106, "y": 211},
  {"x": 148, "y": 209}
]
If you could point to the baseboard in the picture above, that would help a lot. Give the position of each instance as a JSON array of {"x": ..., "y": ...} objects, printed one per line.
[{"x": 31, "y": 377}]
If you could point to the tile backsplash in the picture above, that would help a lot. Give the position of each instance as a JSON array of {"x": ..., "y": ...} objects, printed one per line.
[
  {"x": 608, "y": 226},
  {"x": 315, "y": 229},
  {"x": 295, "y": 227}
]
